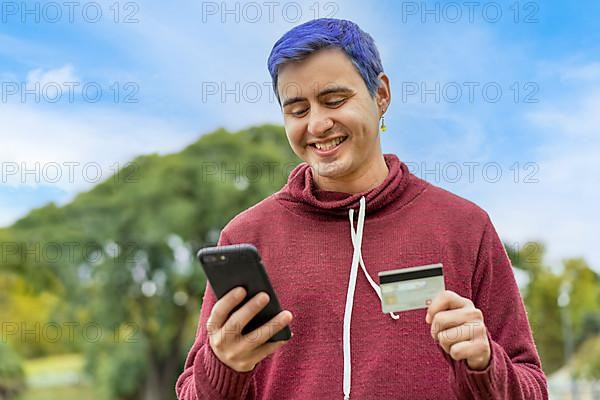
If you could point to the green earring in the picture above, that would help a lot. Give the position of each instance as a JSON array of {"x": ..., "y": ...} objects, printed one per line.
[{"x": 383, "y": 128}]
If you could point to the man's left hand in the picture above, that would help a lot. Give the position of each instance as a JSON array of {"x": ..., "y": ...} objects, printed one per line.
[{"x": 458, "y": 327}]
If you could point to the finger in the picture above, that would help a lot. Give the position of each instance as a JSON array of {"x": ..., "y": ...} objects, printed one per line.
[
  {"x": 446, "y": 300},
  {"x": 263, "y": 333},
  {"x": 223, "y": 307},
  {"x": 266, "y": 349},
  {"x": 474, "y": 350},
  {"x": 450, "y": 318},
  {"x": 449, "y": 337},
  {"x": 468, "y": 332},
  {"x": 239, "y": 319},
  {"x": 461, "y": 350}
]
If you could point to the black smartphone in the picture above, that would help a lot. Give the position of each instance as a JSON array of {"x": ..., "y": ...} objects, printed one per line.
[{"x": 227, "y": 267}]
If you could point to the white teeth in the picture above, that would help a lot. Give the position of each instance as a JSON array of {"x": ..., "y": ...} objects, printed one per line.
[{"x": 329, "y": 145}]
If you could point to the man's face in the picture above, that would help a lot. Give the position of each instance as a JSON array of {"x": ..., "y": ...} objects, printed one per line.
[{"x": 324, "y": 97}]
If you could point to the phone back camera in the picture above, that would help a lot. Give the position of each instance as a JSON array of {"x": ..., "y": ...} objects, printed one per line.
[{"x": 210, "y": 259}]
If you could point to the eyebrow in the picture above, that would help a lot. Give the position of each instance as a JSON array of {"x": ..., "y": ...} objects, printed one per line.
[{"x": 324, "y": 92}]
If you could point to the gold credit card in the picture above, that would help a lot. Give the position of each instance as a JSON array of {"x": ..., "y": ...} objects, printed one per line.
[{"x": 410, "y": 288}]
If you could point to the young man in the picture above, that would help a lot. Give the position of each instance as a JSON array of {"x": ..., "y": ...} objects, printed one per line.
[{"x": 472, "y": 342}]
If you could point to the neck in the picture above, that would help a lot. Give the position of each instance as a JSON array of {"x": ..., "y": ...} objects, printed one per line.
[{"x": 368, "y": 177}]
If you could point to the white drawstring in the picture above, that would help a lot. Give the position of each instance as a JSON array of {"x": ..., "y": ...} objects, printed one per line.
[
  {"x": 375, "y": 287},
  {"x": 356, "y": 259}
]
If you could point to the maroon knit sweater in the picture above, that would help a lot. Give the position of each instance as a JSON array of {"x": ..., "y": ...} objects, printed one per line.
[{"x": 303, "y": 235}]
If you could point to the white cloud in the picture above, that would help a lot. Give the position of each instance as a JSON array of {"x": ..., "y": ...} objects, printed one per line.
[
  {"x": 45, "y": 85},
  {"x": 585, "y": 72},
  {"x": 563, "y": 139},
  {"x": 45, "y": 141},
  {"x": 562, "y": 209},
  {"x": 24, "y": 51},
  {"x": 579, "y": 119},
  {"x": 58, "y": 76}
]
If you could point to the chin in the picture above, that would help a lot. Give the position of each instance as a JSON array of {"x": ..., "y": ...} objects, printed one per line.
[{"x": 328, "y": 169}]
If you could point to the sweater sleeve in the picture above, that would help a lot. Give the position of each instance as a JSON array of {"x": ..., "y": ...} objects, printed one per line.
[
  {"x": 204, "y": 376},
  {"x": 514, "y": 371}
]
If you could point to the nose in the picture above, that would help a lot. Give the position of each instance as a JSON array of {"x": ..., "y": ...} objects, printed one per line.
[{"x": 319, "y": 122}]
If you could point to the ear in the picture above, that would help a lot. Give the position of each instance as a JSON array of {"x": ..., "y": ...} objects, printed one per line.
[{"x": 383, "y": 94}]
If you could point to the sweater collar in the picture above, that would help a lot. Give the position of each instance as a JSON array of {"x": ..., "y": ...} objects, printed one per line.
[{"x": 302, "y": 190}]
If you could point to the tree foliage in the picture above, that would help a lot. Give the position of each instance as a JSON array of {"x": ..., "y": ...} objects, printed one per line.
[
  {"x": 12, "y": 377},
  {"x": 127, "y": 250},
  {"x": 577, "y": 286}
]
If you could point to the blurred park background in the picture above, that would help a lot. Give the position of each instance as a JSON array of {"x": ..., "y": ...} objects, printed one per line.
[{"x": 131, "y": 133}]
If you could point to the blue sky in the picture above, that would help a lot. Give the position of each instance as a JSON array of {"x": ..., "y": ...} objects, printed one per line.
[{"x": 541, "y": 133}]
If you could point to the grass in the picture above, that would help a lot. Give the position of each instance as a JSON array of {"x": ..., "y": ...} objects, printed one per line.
[
  {"x": 59, "y": 392},
  {"x": 56, "y": 377}
]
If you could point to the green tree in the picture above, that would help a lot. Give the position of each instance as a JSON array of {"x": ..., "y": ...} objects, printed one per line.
[
  {"x": 540, "y": 298},
  {"x": 138, "y": 279},
  {"x": 23, "y": 313},
  {"x": 577, "y": 286},
  {"x": 12, "y": 377},
  {"x": 587, "y": 360},
  {"x": 584, "y": 298}
]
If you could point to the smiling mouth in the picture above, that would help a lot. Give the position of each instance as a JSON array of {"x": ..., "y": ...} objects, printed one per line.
[{"x": 329, "y": 145}]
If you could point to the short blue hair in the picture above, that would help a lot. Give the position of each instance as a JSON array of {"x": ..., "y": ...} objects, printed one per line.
[{"x": 324, "y": 33}]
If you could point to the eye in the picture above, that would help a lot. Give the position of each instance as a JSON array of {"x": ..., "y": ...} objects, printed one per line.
[
  {"x": 298, "y": 113},
  {"x": 335, "y": 103}
]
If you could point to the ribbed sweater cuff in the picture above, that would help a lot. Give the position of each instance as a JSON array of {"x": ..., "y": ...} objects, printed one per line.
[
  {"x": 482, "y": 382},
  {"x": 227, "y": 382}
]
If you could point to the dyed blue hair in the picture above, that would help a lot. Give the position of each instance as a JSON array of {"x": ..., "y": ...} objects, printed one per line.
[{"x": 324, "y": 33}]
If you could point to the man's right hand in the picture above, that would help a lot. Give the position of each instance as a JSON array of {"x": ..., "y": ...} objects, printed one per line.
[{"x": 237, "y": 351}]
